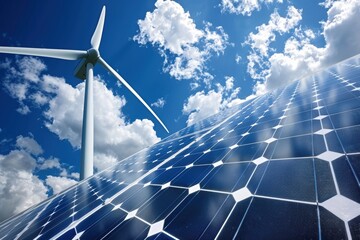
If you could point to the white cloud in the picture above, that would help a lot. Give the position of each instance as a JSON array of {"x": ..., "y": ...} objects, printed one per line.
[
  {"x": 65, "y": 173},
  {"x": 238, "y": 59},
  {"x": 244, "y": 7},
  {"x": 49, "y": 164},
  {"x": 30, "y": 68},
  {"x": 215, "y": 41},
  {"x": 54, "y": 163},
  {"x": 159, "y": 103},
  {"x": 29, "y": 145},
  {"x": 19, "y": 187},
  {"x": 327, "y": 3},
  {"x": 59, "y": 184},
  {"x": 39, "y": 98},
  {"x": 18, "y": 160},
  {"x": 115, "y": 137},
  {"x": 75, "y": 175},
  {"x": 103, "y": 161},
  {"x": 23, "y": 109},
  {"x": 266, "y": 33},
  {"x": 168, "y": 26},
  {"x": 184, "y": 47},
  {"x": 341, "y": 39},
  {"x": 229, "y": 83},
  {"x": 259, "y": 88},
  {"x": 194, "y": 85},
  {"x": 64, "y": 113},
  {"x": 202, "y": 105},
  {"x": 17, "y": 90},
  {"x": 300, "y": 57}
]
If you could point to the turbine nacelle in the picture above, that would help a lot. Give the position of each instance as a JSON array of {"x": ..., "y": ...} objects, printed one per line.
[{"x": 92, "y": 56}]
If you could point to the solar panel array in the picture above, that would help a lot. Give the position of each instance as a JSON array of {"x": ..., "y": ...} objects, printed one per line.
[{"x": 285, "y": 165}]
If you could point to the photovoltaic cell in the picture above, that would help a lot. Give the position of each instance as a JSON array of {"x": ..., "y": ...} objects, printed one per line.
[{"x": 285, "y": 165}]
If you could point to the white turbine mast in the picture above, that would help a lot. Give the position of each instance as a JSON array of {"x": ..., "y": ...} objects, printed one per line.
[{"x": 84, "y": 71}]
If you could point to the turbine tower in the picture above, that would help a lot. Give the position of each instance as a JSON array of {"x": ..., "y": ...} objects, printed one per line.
[{"x": 84, "y": 71}]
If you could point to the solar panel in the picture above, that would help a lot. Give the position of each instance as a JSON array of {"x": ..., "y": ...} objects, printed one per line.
[{"x": 285, "y": 165}]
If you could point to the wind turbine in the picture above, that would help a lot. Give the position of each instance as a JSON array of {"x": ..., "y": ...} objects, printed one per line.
[{"x": 84, "y": 71}]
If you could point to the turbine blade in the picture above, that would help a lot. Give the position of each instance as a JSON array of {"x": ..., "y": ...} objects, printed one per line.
[
  {"x": 44, "y": 52},
  {"x": 110, "y": 69},
  {"x": 96, "y": 37}
]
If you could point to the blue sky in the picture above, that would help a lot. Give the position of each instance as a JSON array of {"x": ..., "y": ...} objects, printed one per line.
[{"x": 188, "y": 59}]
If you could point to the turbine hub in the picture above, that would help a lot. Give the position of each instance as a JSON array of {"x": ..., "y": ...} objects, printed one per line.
[{"x": 92, "y": 55}]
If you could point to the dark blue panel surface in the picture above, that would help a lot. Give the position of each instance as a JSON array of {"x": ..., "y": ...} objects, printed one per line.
[
  {"x": 190, "y": 215},
  {"x": 130, "y": 229},
  {"x": 162, "y": 204},
  {"x": 348, "y": 184},
  {"x": 289, "y": 181},
  {"x": 324, "y": 182},
  {"x": 331, "y": 226},
  {"x": 217, "y": 180},
  {"x": 275, "y": 221},
  {"x": 355, "y": 227}
]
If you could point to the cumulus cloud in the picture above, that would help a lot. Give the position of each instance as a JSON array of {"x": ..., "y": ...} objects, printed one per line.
[
  {"x": 75, "y": 175},
  {"x": 194, "y": 85},
  {"x": 327, "y": 3},
  {"x": 184, "y": 47},
  {"x": 55, "y": 164},
  {"x": 201, "y": 105},
  {"x": 169, "y": 26},
  {"x": 59, "y": 184},
  {"x": 301, "y": 57},
  {"x": 23, "y": 109},
  {"x": 29, "y": 145},
  {"x": 341, "y": 39},
  {"x": 115, "y": 137},
  {"x": 49, "y": 163},
  {"x": 204, "y": 104},
  {"x": 265, "y": 35},
  {"x": 29, "y": 70},
  {"x": 39, "y": 98},
  {"x": 71, "y": 175},
  {"x": 238, "y": 58},
  {"x": 229, "y": 83},
  {"x": 159, "y": 103},
  {"x": 244, "y": 7},
  {"x": 19, "y": 187},
  {"x": 17, "y": 90}
]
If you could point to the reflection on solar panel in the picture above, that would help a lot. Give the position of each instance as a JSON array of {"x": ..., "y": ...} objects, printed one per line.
[{"x": 285, "y": 165}]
